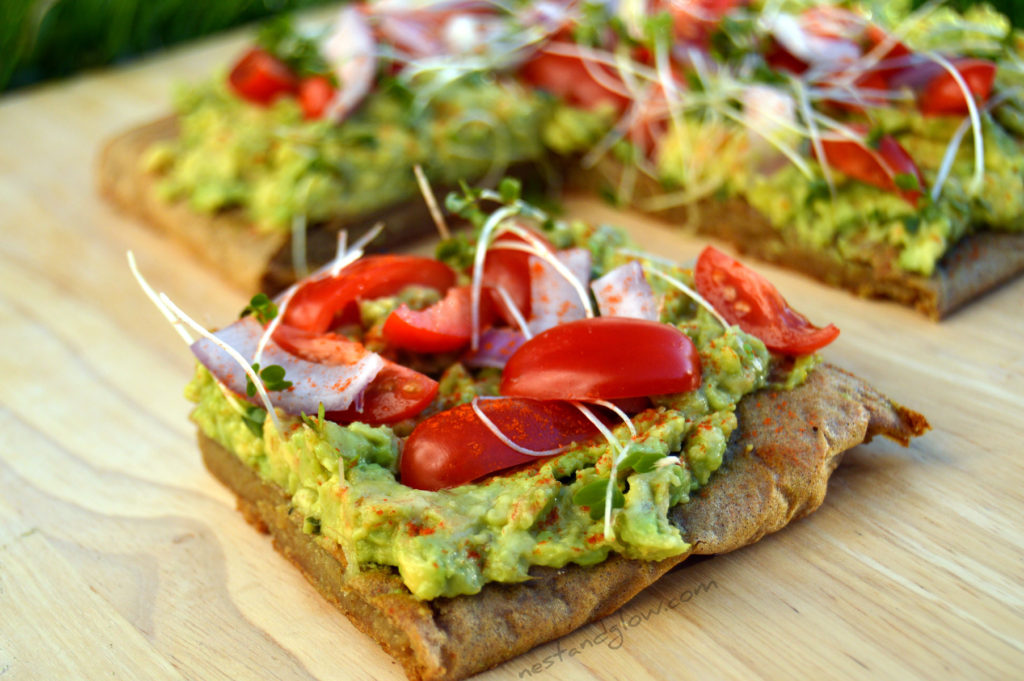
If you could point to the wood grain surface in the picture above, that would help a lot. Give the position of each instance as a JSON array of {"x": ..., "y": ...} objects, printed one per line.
[{"x": 120, "y": 557}]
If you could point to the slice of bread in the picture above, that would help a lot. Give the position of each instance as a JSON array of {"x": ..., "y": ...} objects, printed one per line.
[
  {"x": 771, "y": 477},
  {"x": 973, "y": 266},
  {"x": 226, "y": 241}
]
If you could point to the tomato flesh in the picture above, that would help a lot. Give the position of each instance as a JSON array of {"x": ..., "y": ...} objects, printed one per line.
[
  {"x": 315, "y": 94},
  {"x": 879, "y": 167},
  {"x": 744, "y": 297},
  {"x": 942, "y": 95},
  {"x": 260, "y": 77},
  {"x": 317, "y": 303},
  {"x": 604, "y": 358},
  {"x": 396, "y": 393},
  {"x": 442, "y": 327},
  {"x": 569, "y": 78},
  {"x": 455, "y": 447}
]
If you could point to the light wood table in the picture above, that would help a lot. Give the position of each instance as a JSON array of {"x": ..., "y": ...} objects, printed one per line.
[{"x": 120, "y": 557}]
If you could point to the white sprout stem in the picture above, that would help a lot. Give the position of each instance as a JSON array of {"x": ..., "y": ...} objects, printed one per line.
[
  {"x": 794, "y": 157},
  {"x": 699, "y": 299},
  {"x": 431, "y": 201},
  {"x": 234, "y": 354},
  {"x": 589, "y": 54},
  {"x": 299, "y": 262},
  {"x": 491, "y": 426},
  {"x": 513, "y": 310},
  {"x": 974, "y": 117},
  {"x": 618, "y": 412},
  {"x": 478, "y": 269},
  {"x": 544, "y": 254},
  {"x": 617, "y": 453},
  {"x": 954, "y": 146},
  {"x": 152, "y": 295},
  {"x": 661, "y": 260},
  {"x": 667, "y": 80},
  {"x": 814, "y": 134},
  {"x": 274, "y": 323}
]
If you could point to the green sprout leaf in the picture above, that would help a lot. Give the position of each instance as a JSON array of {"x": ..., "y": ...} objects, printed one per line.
[
  {"x": 593, "y": 494},
  {"x": 907, "y": 181},
  {"x": 272, "y": 377},
  {"x": 253, "y": 418},
  {"x": 261, "y": 307}
]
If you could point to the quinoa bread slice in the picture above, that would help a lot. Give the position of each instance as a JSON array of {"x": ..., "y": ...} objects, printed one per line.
[
  {"x": 771, "y": 477},
  {"x": 974, "y": 265},
  {"x": 251, "y": 259}
]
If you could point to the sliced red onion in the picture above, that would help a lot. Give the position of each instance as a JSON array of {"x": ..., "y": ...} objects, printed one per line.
[
  {"x": 818, "y": 51},
  {"x": 553, "y": 299},
  {"x": 351, "y": 51},
  {"x": 410, "y": 34},
  {"x": 496, "y": 346},
  {"x": 625, "y": 292},
  {"x": 336, "y": 386}
]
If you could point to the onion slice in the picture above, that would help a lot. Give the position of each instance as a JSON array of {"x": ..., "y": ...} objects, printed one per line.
[
  {"x": 554, "y": 299},
  {"x": 625, "y": 292},
  {"x": 334, "y": 386},
  {"x": 496, "y": 346}
]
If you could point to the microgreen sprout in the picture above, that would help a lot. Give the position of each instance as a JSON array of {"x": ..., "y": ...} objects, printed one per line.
[{"x": 261, "y": 307}]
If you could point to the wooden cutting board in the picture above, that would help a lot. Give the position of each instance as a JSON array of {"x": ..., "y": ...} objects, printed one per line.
[{"x": 120, "y": 557}]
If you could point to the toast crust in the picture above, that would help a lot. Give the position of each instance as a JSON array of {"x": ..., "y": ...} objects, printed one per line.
[
  {"x": 770, "y": 478},
  {"x": 226, "y": 242},
  {"x": 975, "y": 265}
]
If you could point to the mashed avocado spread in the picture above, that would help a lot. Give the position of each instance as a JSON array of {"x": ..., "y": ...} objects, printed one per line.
[
  {"x": 343, "y": 479},
  {"x": 275, "y": 166}
]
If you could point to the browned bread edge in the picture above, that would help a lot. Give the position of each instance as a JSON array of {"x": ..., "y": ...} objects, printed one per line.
[
  {"x": 975, "y": 265},
  {"x": 772, "y": 476}
]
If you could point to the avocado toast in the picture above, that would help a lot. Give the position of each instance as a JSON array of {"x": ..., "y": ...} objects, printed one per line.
[
  {"x": 871, "y": 146},
  {"x": 458, "y": 523}
]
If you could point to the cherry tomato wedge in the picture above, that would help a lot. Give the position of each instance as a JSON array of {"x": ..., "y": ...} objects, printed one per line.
[
  {"x": 396, "y": 393},
  {"x": 888, "y": 166},
  {"x": 315, "y": 93},
  {"x": 744, "y": 297},
  {"x": 942, "y": 95},
  {"x": 317, "y": 303},
  {"x": 586, "y": 85},
  {"x": 604, "y": 358},
  {"x": 455, "y": 447},
  {"x": 260, "y": 77},
  {"x": 442, "y": 327},
  {"x": 510, "y": 270}
]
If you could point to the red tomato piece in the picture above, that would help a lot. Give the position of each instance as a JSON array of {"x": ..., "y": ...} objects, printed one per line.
[
  {"x": 455, "y": 447},
  {"x": 260, "y": 77},
  {"x": 315, "y": 93},
  {"x": 510, "y": 270},
  {"x": 442, "y": 327},
  {"x": 747, "y": 299},
  {"x": 396, "y": 393},
  {"x": 574, "y": 81},
  {"x": 942, "y": 95},
  {"x": 317, "y": 303},
  {"x": 695, "y": 20},
  {"x": 880, "y": 167},
  {"x": 604, "y": 358}
]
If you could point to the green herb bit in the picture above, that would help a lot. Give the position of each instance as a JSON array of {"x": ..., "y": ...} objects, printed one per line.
[
  {"x": 261, "y": 307},
  {"x": 874, "y": 138},
  {"x": 272, "y": 377},
  {"x": 593, "y": 494},
  {"x": 253, "y": 417},
  {"x": 907, "y": 181}
]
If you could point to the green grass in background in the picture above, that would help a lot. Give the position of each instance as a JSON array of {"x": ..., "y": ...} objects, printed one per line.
[{"x": 42, "y": 39}]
